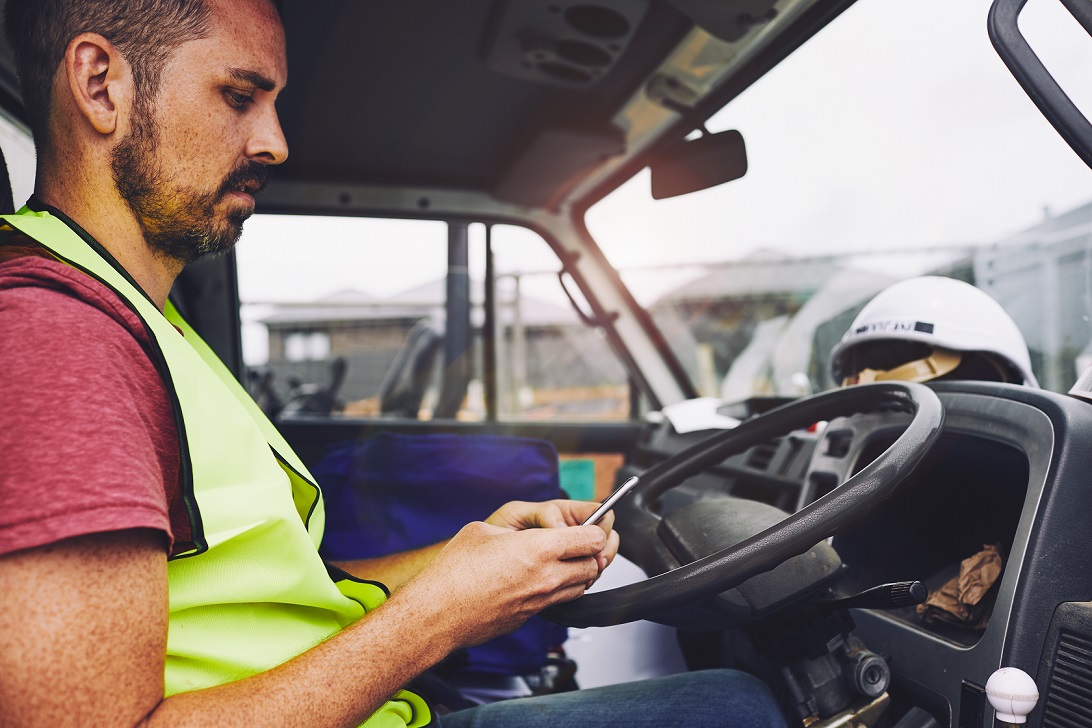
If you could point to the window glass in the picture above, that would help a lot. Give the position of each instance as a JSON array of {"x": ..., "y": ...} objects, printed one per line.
[
  {"x": 550, "y": 364},
  {"x": 304, "y": 345},
  {"x": 349, "y": 314},
  {"x": 328, "y": 304},
  {"x": 891, "y": 145}
]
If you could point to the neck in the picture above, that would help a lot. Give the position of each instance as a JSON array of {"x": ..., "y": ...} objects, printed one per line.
[{"x": 95, "y": 206}]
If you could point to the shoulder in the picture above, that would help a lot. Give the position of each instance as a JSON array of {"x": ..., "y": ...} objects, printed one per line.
[
  {"x": 62, "y": 322},
  {"x": 87, "y": 430},
  {"x": 36, "y": 290}
]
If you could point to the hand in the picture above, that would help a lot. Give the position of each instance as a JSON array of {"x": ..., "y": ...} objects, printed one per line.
[
  {"x": 520, "y": 515},
  {"x": 490, "y": 579}
]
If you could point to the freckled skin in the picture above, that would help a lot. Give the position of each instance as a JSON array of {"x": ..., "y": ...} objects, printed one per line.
[
  {"x": 208, "y": 122},
  {"x": 203, "y": 131},
  {"x": 204, "y": 138}
]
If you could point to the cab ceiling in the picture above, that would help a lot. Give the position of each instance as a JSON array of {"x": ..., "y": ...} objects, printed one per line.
[
  {"x": 504, "y": 98},
  {"x": 393, "y": 93}
]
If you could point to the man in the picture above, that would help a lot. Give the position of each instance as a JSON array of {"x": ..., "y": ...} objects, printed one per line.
[{"x": 158, "y": 559}]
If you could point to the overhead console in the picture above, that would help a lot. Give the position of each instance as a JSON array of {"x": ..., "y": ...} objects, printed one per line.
[{"x": 570, "y": 44}]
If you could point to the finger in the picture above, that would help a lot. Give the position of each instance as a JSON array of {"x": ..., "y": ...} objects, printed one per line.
[
  {"x": 508, "y": 515},
  {"x": 550, "y": 515},
  {"x": 578, "y": 573},
  {"x": 607, "y": 522},
  {"x": 606, "y": 556},
  {"x": 568, "y": 594},
  {"x": 537, "y": 515},
  {"x": 481, "y": 529},
  {"x": 576, "y": 512},
  {"x": 579, "y": 541}
]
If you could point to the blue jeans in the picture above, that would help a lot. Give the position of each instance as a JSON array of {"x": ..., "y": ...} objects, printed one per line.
[{"x": 720, "y": 698}]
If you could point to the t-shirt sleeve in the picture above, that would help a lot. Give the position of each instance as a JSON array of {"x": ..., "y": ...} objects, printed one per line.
[{"x": 81, "y": 413}]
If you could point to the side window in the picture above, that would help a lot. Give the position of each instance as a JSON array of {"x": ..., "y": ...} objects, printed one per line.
[
  {"x": 550, "y": 364},
  {"x": 348, "y": 318},
  {"x": 328, "y": 305}
]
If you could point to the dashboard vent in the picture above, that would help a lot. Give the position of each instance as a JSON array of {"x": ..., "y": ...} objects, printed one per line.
[
  {"x": 760, "y": 456},
  {"x": 1069, "y": 695}
]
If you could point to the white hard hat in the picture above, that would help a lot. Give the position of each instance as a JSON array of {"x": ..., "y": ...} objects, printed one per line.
[{"x": 940, "y": 312}]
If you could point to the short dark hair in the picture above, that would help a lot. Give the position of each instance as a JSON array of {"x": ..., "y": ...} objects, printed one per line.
[{"x": 145, "y": 32}]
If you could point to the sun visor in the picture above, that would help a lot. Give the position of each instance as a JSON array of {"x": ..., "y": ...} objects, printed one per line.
[{"x": 555, "y": 161}]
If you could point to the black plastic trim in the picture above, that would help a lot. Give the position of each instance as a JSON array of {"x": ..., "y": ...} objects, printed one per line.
[
  {"x": 1033, "y": 76},
  {"x": 678, "y": 372},
  {"x": 808, "y": 24}
]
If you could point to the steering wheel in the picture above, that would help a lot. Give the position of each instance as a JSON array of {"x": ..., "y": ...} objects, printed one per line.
[{"x": 796, "y": 533}]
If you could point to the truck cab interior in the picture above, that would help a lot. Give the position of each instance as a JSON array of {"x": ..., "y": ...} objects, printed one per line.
[{"x": 787, "y": 527}]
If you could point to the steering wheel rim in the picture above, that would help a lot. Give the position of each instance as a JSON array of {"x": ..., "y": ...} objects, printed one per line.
[{"x": 796, "y": 533}]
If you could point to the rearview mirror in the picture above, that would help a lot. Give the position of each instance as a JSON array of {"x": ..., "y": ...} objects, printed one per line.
[{"x": 698, "y": 164}]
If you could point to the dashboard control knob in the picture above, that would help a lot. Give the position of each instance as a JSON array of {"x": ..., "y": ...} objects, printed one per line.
[{"x": 1013, "y": 694}]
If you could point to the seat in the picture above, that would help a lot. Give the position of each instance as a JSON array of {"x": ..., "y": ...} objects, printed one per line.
[
  {"x": 403, "y": 386},
  {"x": 396, "y": 492}
]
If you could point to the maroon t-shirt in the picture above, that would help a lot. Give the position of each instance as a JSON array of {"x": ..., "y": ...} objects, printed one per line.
[{"x": 88, "y": 442}]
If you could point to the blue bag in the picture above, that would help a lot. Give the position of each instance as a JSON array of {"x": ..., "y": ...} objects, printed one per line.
[{"x": 393, "y": 493}]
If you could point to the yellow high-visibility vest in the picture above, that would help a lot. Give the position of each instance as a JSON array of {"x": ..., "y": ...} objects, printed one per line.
[{"x": 252, "y": 592}]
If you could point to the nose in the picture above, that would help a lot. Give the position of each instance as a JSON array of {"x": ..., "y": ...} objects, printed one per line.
[{"x": 267, "y": 143}]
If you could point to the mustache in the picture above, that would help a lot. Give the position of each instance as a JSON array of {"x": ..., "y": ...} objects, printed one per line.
[{"x": 249, "y": 176}]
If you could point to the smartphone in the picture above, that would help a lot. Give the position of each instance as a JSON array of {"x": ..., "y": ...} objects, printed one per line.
[{"x": 613, "y": 498}]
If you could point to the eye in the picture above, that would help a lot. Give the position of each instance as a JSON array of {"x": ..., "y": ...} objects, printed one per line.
[{"x": 238, "y": 99}]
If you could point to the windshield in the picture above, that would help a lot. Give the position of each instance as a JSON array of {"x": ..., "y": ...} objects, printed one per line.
[{"x": 893, "y": 144}]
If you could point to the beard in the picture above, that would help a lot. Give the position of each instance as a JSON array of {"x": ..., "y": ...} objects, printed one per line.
[{"x": 178, "y": 222}]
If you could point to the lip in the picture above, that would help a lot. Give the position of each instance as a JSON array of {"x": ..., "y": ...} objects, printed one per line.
[{"x": 242, "y": 197}]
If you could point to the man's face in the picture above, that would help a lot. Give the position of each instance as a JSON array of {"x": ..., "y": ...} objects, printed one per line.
[{"x": 194, "y": 155}]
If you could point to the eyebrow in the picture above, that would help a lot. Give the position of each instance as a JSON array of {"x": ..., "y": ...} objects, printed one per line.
[{"x": 253, "y": 78}]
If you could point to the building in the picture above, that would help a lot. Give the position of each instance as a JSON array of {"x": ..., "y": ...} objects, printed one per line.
[{"x": 541, "y": 348}]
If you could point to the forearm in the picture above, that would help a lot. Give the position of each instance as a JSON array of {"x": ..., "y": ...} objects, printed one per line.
[
  {"x": 110, "y": 671},
  {"x": 487, "y": 581},
  {"x": 392, "y": 570},
  {"x": 488, "y": 584},
  {"x": 337, "y": 683}
]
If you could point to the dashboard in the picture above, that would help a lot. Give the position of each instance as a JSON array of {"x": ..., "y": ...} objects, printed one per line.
[{"x": 1011, "y": 470}]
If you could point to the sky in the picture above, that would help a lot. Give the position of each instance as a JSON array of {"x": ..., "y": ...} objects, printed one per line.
[{"x": 896, "y": 126}]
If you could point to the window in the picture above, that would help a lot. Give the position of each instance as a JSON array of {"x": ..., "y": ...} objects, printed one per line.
[
  {"x": 20, "y": 158},
  {"x": 358, "y": 308},
  {"x": 328, "y": 305},
  {"x": 304, "y": 345},
  {"x": 872, "y": 158},
  {"x": 550, "y": 364}
]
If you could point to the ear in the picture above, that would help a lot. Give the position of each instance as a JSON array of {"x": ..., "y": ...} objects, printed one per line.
[{"x": 98, "y": 79}]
